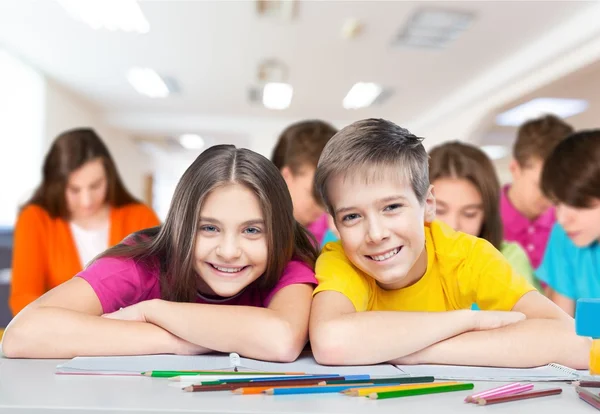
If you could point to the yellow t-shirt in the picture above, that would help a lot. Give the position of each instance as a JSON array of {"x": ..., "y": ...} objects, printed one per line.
[{"x": 461, "y": 270}]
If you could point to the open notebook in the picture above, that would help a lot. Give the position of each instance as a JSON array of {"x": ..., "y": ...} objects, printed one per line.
[
  {"x": 134, "y": 365},
  {"x": 551, "y": 372}
]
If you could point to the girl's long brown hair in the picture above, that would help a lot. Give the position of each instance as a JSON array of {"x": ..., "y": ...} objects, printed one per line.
[
  {"x": 464, "y": 161},
  {"x": 70, "y": 151},
  {"x": 171, "y": 246}
]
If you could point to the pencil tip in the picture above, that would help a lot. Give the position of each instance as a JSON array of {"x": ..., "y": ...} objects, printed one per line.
[
  {"x": 147, "y": 374},
  {"x": 481, "y": 402},
  {"x": 373, "y": 396},
  {"x": 238, "y": 391},
  {"x": 188, "y": 389},
  {"x": 269, "y": 392}
]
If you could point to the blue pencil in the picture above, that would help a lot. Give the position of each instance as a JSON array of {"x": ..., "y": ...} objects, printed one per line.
[{"x": 318, "y": 389}]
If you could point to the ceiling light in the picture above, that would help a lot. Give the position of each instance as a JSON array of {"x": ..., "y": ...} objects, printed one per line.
[
  {"x": 434, "y": 29},
  {"x": 277, "y": 95},
  {"x": 563, "y": 108},
  {"x": 191, "y": 141},
  {"x": 147, "y": 82},
  {"x": 361, "y": 95},
  {"x": 124, "y": 15},
  {"x": 495, "y": 152}
]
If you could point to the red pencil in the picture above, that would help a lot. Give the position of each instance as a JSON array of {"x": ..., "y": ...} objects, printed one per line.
[
  {"x": 588, "y": 384},
  {"x": 589, "y": 394},
  {"x": 516, "y": 397},
  {"x": 589, "y": 400}
]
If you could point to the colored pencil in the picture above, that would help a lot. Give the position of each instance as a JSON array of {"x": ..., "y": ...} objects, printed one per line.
[
  {"x": 491, "y": 391},
  {"x": 420, "y": 391},
  {"x": 517, "y": 397},
  {"x": 588, "y": 384},
  {"x": 168, "y": 374},
  {"x": 251, "y": 378},
  {"x": 311, "y": 390},
  {"x": 590, "y": 394},
  {"x": 518, "y": 389},
  {"x": 363, "y": 392},
  {"x": 235, "y": 385},
  {"x": 317, "y": 378},
  {"x": 262, "y": 389},
  {"x": 589, "y": 400},
  {"x": 390, "y": 380}
]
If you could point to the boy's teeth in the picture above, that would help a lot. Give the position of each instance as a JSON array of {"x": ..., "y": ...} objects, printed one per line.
[
  {"x": 228, "y": 269},
  {"x": 385, "y": 256}
]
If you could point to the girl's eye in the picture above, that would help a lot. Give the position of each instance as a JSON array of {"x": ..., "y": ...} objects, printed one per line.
[
  {"x": 392, "y": 207},
  {"x": 208, "y": 228},
  {"x": 350, "y": 217},
  {"x": 470, "y": 215},
  {"x": 252, "y": 230}
]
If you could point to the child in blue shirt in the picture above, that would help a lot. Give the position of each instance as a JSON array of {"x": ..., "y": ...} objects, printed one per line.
[{"x": 571, "y": 178}]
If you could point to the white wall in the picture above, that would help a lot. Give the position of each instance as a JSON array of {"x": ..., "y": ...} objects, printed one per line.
[{"x": 64, "y": 110}]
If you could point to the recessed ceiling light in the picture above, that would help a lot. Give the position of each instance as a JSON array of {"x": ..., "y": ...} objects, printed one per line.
[
  {"x": 147, "y": 82},
  {"x": 560, "y": 107},
  {"x": 434, "y": 29},
  {"x": 277, "y": 95},
  {"x": 495, "y": 152},
  {"x": 361, "y": 95},
  {"x": 124, "y": 15},
  {"x": 191, "y": 141}
]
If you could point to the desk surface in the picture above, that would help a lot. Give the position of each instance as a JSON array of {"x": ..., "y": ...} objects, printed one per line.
[{"x": 32, "y": 386}]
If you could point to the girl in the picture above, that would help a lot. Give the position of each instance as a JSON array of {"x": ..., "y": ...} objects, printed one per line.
[
  {"x": 79, "y": 210},
  {"x": 467, "y": 194},
  {"x": 230, "y": 270}
]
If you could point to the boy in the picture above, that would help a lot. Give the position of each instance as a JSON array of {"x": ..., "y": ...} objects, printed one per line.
[
  {"x": 527, "y": 215},
  {"x": 571, "y": 178},
  {"x": 398, "y": 285},
  {"x": 296, "y": 154}
]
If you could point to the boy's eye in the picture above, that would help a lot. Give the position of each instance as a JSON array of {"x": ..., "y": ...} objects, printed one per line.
[
  {"x": 393, "y": 207},
  {"x": 209, "y": 229},
  {"x": 350, "y": 217},
  {"x": 252, "y": 230}
]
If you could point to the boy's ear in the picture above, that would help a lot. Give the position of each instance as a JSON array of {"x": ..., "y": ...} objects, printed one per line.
[
  {"x": 515, "y": 169},
  {"x": 430, "y": 205},
  {"x": 287, "y": 174}
]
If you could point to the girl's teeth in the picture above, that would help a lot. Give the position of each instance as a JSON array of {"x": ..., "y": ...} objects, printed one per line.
[
  {"x": 385, "y": 256},
  {"x": 228, "y": 269}
]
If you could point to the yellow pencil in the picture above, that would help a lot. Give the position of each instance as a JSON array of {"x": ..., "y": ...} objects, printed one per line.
[{"x": 362, "y": 392}]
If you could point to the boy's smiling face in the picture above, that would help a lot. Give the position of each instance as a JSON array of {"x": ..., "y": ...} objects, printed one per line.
[{"x": 381, "y": 226}]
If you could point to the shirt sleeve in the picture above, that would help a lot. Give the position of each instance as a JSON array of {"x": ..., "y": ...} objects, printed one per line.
[
  {"x": 491, "y": 280},
  {"x": 335, "y": 272},
  {"x": 556, "y": 269},
  {"x": 29, "y": 272},
  {"x": 516, "y": 256},
  {"x": 294, "y": 273},
  {"x": 118, "y": 282}
]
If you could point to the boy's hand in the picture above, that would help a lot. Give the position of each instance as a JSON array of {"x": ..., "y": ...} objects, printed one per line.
[{"x": 485, "y": 320}]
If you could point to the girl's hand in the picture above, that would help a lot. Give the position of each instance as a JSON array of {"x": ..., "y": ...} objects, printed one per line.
[
  {"x": 136, "y": 313},
  {"x": 485, "y": 320}
]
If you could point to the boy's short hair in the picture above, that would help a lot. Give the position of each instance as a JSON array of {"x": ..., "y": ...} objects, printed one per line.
[
  {"x": 538, "y": 137},
  {"x": 571, "y": 174},
  {"x": 365, "y": 147},
  {"x": 301, "y": 144}
]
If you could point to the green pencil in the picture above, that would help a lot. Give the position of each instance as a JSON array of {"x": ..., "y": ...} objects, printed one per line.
[
  {"x": 390, "y": 380},
  {"x": 168, "y": 374},
  {"x": 420, "y": 391}
]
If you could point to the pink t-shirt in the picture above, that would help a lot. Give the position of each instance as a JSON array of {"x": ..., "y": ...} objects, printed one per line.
[
  {"x": 318, "y": 228},
  {"x": 532, "y": 235},
  {"x": 122, "y": 282}
]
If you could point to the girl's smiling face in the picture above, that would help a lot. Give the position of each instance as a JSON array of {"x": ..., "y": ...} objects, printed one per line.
[{"x": 231, "y": 242}]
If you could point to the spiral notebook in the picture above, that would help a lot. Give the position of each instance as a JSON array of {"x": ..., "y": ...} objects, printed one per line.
[
  {"x": 550, "y": 372},
  {"x": 134, "y": 365}
]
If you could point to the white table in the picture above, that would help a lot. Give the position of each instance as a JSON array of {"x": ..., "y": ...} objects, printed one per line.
[{"x": 31, "y": 386}]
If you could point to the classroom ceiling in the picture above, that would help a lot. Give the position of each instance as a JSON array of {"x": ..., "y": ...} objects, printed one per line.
[{"x": 212, "y": 49}]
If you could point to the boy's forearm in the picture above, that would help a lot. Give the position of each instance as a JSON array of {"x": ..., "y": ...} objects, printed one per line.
[
  {"x": 375, "y": 337},
  {"x": 49, "y": 332},
  {"x": 250, "y": 331},
  {"x": 530, "y": 343}
]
